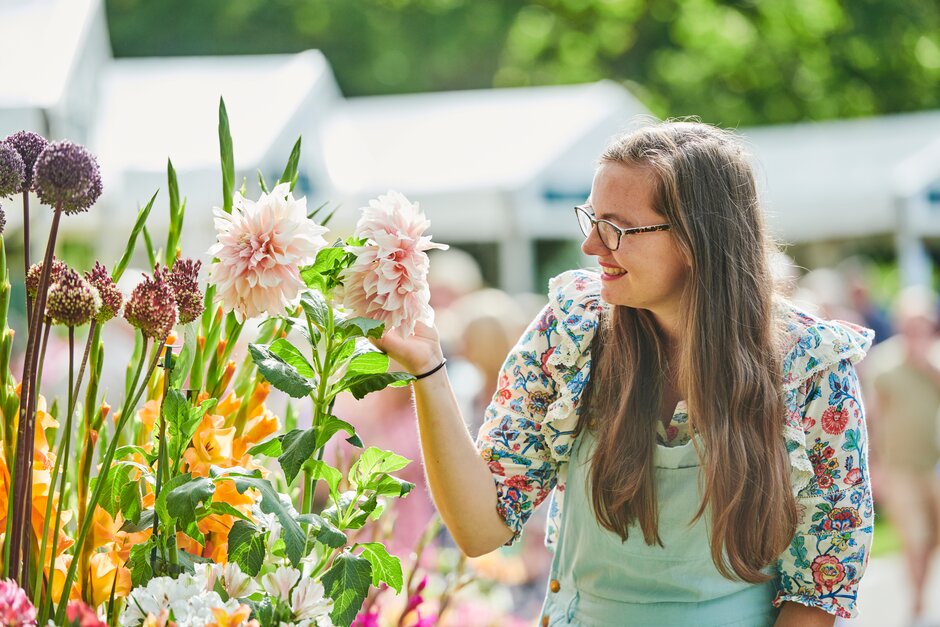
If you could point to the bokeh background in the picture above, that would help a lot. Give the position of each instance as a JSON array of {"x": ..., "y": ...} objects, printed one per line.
[{"x": 490, "y": 113}]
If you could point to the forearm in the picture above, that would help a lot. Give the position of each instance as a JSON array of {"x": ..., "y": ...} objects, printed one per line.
[
  {"x": 797, "y": 615},
  {"x": 460, "y": 481}
]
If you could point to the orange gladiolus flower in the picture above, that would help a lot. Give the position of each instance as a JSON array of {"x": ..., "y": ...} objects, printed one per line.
[
  {"x": 212, "y": 445},
  {"x": 107, "y": 572},
  {"x": 237, "y": 618}
]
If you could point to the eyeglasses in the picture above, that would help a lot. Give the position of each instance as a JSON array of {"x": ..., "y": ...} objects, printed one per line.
[{"x": 609, "y": 232}]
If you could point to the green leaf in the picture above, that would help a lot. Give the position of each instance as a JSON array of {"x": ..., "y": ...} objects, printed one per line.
[
  {"x": 316, "y": 308},
  {"x": 264, "y": 188},
  {"x": 227, "y": 159},
  {"x": 145, "y": 521},
  {"x": 160, "y": 505},
  {"x": 281, "y": 374},
  {"x": 269, "y": 448},
  {"x": 373, "y": 462},
  {"x": 261, "y": 611},
  {"x": 319, "y": 469},
  {"x": 290, "y": 171},
  {"x": 364, "y": 384},
  {"x": 182, "y": 421},
  {"x": 271, "y": 503},
  {"x": 331, "y": 425},
  {"x": 324, "y": 530},
  {"x": 246, "y": 547},
  {"x": 148, "y": 246},
  {"x": 368, "y": 362},
  {"x": 292, "y": 355},
  {"x": 387, "y": 485},
  {"x": 139, "y": 563},
  {"x": 131, "y": 504},
  {"x": 142, "y": 216},
  {"x": 361, "y": 327},
  {"x": 299, "y": 446},
  {"x": 347, "y": 583},
  {"x": 385, "y": 567},
  {"x": 221, "y": 507},
  {"x": 176, "y": 214},
  {"x": 183, "y": 501},
  {"x": 112, "y": 493}
]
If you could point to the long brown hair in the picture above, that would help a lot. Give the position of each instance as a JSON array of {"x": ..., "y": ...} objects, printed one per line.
[{"x": 729, "y": 363}]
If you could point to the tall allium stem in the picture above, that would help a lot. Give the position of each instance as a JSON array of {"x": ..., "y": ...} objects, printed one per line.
[
  {"x": 126, "y": 412},
  {"x": 26, "y": 428},
  {"x": 62, "y": 456},
  {"x": 29, "y": 305}
]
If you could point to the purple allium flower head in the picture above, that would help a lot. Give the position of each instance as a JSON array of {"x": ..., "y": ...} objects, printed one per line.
[
  {"x": 152, "y": 307},
  {"x": 29, "y": 145},
  {"x": 35, "y": 272},
  {"x": 111, "y": 297},
  {"x": 15, "y": 608},
  {"x": 66, "y": 176},
  {"x": 183, "y": 279},
  {"x": 72, "y": 300},
  {"x": 12, "y": 170}
]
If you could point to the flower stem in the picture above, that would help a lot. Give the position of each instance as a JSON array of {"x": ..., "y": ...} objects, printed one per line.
[
  {"x": 161, "y": 455},
  {"x": 126, "y": 410},
  {"x": 26, "y": 428},
  {"x": 29, "y": 305}
]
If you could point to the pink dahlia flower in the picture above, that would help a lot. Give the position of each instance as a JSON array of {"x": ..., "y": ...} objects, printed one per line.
[
  {"x": 261, "y": 248},
  {"x": 15, "y": 607},
  {"x": 389, "y": 279}
]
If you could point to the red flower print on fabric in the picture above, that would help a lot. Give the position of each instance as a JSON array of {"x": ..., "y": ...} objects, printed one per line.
[
  {"x": 828, "y": 572},
  {"x": 834, "y": 420}
]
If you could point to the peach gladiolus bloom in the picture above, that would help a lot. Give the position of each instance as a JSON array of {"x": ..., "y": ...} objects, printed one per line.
[
  {"x": 107, "y": 572},
  {"x": 212, "y": 445},
  {"x": 62, "y": 563},
  {"x": 237, "y": 618}
]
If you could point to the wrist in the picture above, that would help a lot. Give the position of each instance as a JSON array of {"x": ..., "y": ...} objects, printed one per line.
[{"x": 431, "y": 371}]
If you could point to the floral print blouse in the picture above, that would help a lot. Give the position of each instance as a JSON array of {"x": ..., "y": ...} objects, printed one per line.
[{"x": 527, "y": 435}]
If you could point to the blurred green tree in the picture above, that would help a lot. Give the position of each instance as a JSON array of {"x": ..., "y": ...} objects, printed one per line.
[{"x": 730, "y": 62}]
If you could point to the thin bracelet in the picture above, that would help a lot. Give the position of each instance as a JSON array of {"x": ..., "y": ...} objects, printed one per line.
[{"x": 431, "y": 371}]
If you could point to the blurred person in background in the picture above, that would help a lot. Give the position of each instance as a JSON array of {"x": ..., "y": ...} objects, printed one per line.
[{"x": 904, "y": 376}]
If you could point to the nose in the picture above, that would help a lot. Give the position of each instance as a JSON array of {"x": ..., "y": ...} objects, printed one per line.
[{"x": 592, "y": 245}]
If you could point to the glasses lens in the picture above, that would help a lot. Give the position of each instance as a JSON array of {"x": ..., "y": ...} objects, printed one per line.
[
  {"x": 608, "y": 234},
  {"x": 584, "y": 221}
]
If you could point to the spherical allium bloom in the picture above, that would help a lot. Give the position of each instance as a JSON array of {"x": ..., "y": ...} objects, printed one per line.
[
  {"x": 72, "y": 300},
  {"x": 260, "y": 249},
  {"x": 35, "y": 273},
  {"x": 66, "y": 176},
  {"x": 111, "y": 297},
  {"x": 15, "y": 608},
  {"x": 152, "y": 307},
  {"x": 29, "y": 145},
  {"x": 184, "y": 281},
  {"x": 388, "y": 280},
  {"x": 12, "y": 170}
]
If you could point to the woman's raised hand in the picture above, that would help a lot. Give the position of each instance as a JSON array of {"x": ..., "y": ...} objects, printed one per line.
[{"x": 416, "y": 353}]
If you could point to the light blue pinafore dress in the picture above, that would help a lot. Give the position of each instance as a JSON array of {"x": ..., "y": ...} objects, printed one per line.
[{"x": 596, "y": 579}]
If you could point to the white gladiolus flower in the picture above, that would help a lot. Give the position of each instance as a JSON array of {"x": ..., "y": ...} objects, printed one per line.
[
  {"x": 279, "y": 583},
  {"x": 236, "y": 584},
  {"x": 308, "y": 601}
]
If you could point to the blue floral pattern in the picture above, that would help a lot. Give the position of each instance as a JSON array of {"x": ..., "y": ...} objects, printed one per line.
[{"x": 529, "y": 425}]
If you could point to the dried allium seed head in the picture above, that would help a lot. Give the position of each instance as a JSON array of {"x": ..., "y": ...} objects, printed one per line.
[
  {"x": 29, "y": 145},
  {"x": 152, "y": 307},
  {"x": 111, "y": 297},
  {"x": 12, "y": 170},
  {"x": 184, "y": 280},
  {"x": 66, "y": 176},
  {"x": 35, "y": 272},
  {"x": 72, "y": 300}
]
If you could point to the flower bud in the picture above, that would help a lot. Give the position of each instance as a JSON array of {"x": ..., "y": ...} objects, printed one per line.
[{"x": 72, "y": 300}]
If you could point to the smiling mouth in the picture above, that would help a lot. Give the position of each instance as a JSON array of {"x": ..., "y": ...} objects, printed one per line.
[{"x": 613, "y": 271}]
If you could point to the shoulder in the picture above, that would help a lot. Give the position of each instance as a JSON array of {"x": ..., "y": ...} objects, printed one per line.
[
  {"x": 810, "y": 345},
  {"x": 574, "y": 299}
]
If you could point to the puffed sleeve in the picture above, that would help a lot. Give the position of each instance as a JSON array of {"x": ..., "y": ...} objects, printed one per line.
[
  {"x": 529, "y": 423},
  {"x": 829, "y": 552}
]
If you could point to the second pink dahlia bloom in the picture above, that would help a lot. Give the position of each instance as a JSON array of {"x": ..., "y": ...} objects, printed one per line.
[
  {"x": 389, "y": 279},
  {"x": 260, "y": 249}
]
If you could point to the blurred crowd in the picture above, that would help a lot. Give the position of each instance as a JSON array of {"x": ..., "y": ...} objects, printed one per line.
[{"x": 480, "y": 324}]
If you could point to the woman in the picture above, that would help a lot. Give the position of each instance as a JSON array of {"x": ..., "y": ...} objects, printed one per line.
[{"x": 703, "y": 440}]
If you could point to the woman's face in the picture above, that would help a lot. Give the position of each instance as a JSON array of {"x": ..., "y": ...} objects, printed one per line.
[{"x": 647, "y": 271}]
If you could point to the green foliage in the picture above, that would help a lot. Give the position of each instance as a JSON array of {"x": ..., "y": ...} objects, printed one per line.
[
  {"x": 281, "y": 374},
  {"x": 227, "y": 159},
  {"x": 139, "y": 225},
  {"x": 385, "y": 567},
  {"x": 347, "y": 583},
  {"x": 246, "y": 547},
  {"x": 732, "y": 63}
]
